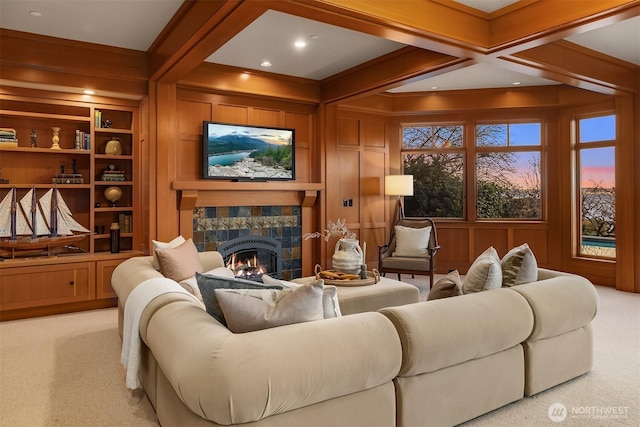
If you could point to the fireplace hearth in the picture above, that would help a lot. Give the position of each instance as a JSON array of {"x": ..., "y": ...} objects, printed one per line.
[{"x": 215, "y": 226}]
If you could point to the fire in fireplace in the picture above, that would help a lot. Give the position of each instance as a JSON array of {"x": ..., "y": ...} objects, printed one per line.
[{"x": 252, "y": 256}]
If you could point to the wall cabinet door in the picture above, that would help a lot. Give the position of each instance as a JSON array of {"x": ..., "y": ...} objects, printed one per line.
[
  {"x": 24, "y": 287},
  {"x": 104, "y": 270}
]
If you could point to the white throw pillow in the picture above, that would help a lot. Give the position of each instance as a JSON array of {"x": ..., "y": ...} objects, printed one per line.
[
  {"x": 519, "y": 266},
  {"x": 164, "y": 245},
  {"x": 485, "y": 273},
  {"x": 330, "y": 304},
  {"x": 247, "y": 310},
  {"x": 412, "y": 242}
]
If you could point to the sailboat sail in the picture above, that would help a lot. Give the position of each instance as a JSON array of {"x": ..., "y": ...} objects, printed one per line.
[
  {"x": 66, "y": 224},
  {"x": 25, "y": 226},
  {"x": 5, "y": 215}
]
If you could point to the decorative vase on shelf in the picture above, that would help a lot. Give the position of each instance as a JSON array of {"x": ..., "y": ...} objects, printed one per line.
[
  {"x": 113, "y": 194},
  {"x": 113, "y": 147},
  {"x": 56, "y": 138},
  {"x": 347, "y": 257}
]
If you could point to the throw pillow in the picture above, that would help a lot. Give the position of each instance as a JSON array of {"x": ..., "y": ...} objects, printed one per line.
[
  {"x": 330, "y": 304},
  {"x": 179, "y": 263},
  {"x": 247, "y": 310},
  {"x": 448, "y": 286},
  {"x": 519, "y": 266},
  {"x": 191, "y": 284},
  {"x": 412, "y": 242},
  {"x": 164, "y": 245},
  {"x": 485, "y": 273},
  {"x": 209, "y": 283}
]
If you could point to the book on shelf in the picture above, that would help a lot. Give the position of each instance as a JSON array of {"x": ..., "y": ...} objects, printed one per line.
[
  {"x": 125, "y": 221},
  {"x": 98, "y": 119},
  {"x": 82, "y": 141}
]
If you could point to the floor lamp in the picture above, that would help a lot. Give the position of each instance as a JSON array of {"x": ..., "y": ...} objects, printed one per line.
[{"x": 400, "y": 186}]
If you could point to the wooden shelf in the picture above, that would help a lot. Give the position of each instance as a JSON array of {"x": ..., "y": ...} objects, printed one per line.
[
  {"x": 35, "y": 115},
  {"x": 46, "y": 186},
  {"x": 115, "y": 209},
  {"x": 47, "y": 151},
  {"x": 113, "y": 130}
]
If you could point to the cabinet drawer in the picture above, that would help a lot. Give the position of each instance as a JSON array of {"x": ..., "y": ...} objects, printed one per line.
[{"x": 25, "y": 287}]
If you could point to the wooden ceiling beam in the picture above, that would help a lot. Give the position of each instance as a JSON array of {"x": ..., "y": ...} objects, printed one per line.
[
  {"x": 577, "y": 66},
  {"x": 198, "y": 29},
  {"x": 388, "y": 71}
]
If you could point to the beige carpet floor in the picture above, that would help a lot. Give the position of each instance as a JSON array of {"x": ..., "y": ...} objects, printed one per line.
[{"x": 64, "y": 371}]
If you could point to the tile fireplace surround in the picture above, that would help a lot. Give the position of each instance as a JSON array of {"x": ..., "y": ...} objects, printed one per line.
[{"x": 215, "y": 225}]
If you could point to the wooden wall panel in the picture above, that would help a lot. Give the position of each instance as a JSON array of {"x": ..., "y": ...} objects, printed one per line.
[
  {"x": 264, "y": 117},
  {"x": 302, "y": 123},
  {"x": 483, "y": 238},
  {"x": 347, "y": 168},
  {"x": 371, "y": 188},
  {"x": 303, "y": 164},
  {"x": 348, "y": 131},
  {"x": 231, "y": 114},
  {"x": 373, "y": 133},
  {"x": 537, "y": 240},
  {"x": 373, "y": 237},
  {"x": 454, "y": 253}
]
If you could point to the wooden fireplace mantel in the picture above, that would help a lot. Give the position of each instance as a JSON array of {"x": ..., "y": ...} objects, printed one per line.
[{"x": 223, "y": 193}]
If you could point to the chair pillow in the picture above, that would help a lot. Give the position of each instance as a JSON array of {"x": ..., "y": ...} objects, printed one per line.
[
  {"x": 209, "y": 283},
  {"x": 251, "y": 310},
  {"x": 330, "y": 304},
  {"x": 164, "y": 245},
  {"x": 519, "y": 266},
  {"x": 412, "y": 242},
  {"x": 179, "y": 263},
  {"x": 448, "y": 286},
  {"x": 485, "y": 273}
]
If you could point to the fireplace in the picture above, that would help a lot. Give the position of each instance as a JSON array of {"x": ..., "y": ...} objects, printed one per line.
[
  {"x": 216, "y": 226},
  {"x": 251, "y": 257}
]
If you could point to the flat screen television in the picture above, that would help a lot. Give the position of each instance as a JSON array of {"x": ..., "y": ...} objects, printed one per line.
[{"x": 244, "y": 153}]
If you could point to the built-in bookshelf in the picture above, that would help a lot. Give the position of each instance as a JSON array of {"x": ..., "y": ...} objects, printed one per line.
[{"x": 49, "y": 142}]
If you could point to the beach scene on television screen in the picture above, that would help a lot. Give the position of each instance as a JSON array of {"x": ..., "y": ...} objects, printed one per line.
[{"x": 246, "y": 152}]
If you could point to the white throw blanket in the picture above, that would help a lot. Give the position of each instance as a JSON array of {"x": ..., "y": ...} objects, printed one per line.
[{"x": 139, "y": 298}]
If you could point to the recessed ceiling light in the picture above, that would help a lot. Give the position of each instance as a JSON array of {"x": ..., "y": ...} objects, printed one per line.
[
  {"x": 35, "y": 13},
  {"x": 433, "y": 87},
  {"x": 88, "y": 92},
  {"x": 516, "y": 83},
  {"x": 265, "y": 64},
  {"x": 300, "y": 44}
]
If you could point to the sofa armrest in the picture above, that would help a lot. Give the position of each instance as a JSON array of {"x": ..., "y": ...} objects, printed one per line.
[
  {"x": 445, "y": 332},
  {"x": 560, "y": 304},
  {"x": 238, "y": 378}
]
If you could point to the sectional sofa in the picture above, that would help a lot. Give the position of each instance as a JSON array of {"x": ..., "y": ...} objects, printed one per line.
[{"x": 438, "y": 362}]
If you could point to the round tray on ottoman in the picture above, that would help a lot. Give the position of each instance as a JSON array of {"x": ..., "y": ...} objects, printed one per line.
[{"x": 373, "y": 277}]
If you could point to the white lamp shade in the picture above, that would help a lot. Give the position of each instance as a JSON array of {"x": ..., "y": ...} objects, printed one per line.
[{"x": 398, "y": 185}]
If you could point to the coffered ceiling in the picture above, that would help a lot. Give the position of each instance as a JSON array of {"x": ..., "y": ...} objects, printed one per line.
[{"x": 329, "y": 49}]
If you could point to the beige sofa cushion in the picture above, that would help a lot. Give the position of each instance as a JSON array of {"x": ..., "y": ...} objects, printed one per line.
[
  {"x": 239, "y": 378},
  {"x": 560, "y": 304},
  {"x": 442, "y": 333},
  {"x": 247, "y": 310}
]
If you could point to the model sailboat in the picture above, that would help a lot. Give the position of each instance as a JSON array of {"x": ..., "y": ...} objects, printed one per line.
[{"x": 30, "y": 225}]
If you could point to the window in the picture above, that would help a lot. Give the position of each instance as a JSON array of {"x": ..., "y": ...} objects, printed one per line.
[
  {"x": 595, "y": 157},
  {"x": 434, "y": 155},
  {"x": 508, "y": 170}
]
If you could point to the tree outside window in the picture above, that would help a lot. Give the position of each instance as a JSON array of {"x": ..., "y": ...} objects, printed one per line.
[
  {"x": 595, "y": 153},
  {"x": 434, "y": 155},
  {"x": 508, "y": 170}
]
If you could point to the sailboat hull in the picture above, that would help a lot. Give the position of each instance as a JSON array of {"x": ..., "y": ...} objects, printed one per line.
[{"x": 26, "y": 246}]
